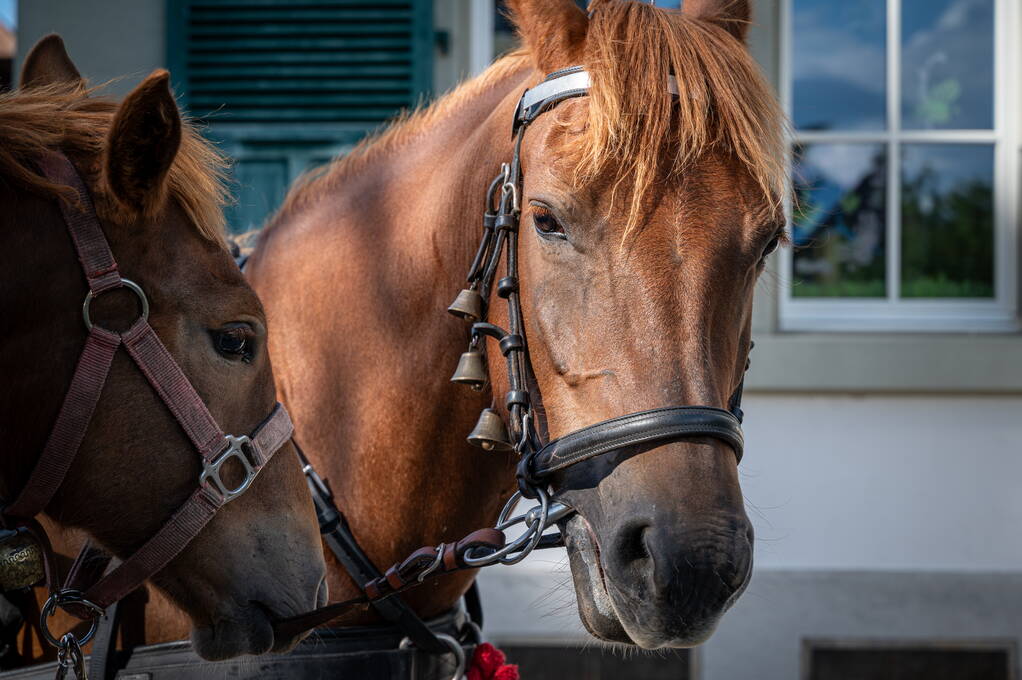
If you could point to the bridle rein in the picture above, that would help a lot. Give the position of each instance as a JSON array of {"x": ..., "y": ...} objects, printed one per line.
[{"x": 87, "y": 592}]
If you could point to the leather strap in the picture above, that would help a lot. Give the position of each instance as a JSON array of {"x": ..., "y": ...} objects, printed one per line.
[
  {"x": 339, "y": 538},
  {"x": 184, "y": 525},
  {"x": 169, "y": 381},
  {"x": 657, "y": 426},
  {"x": 570, "y": 82},
  {"x": 94, "y": 253},
  {"x": 69, "y": 429},
  {"x": 174, "y": 389}
]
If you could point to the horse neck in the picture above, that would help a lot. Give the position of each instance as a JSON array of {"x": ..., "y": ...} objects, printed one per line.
[{"x": 387, "y": 243}]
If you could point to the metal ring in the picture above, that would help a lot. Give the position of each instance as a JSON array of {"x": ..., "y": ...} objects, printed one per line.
[
  {"x": 130, "y": 285},
  {"x": 453, "y": 645},
  {"x": 510, "y": 187},
  {"x": 60, "y": 599}
]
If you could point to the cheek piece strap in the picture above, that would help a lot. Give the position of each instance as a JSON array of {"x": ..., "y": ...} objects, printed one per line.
[
  {"x": 537, "y": 461},
  {"x": 87, "y": 592}
]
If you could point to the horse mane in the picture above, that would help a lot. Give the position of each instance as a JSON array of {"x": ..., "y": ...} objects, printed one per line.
[
  {"x": 395, "y": 134},
  {"x": 637, "y": 133},
  {"x": 73, "y": 119}
]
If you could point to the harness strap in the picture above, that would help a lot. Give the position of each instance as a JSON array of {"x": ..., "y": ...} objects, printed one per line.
[
  {"x": 185, "y": 524},
  {"x": 342, "y": 543},
  {"x": 94, "y": 253},
  {"x": 69, "y": 429},
  {"x": 657, "y": 427},
  {"x": 169, "y": 381}
]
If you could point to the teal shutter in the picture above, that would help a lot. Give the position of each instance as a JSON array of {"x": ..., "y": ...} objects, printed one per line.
[{"x": 285, "y": 85}]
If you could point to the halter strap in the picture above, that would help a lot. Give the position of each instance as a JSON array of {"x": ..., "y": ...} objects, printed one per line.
[{"x": 164, "y": 374}]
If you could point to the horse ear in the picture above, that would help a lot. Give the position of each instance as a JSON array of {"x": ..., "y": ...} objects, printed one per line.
[
  {"x": 554, "y": 31},
  {"x": 142, "y": 143},
  {"x": 733, "y": 16},
  {"x": 47, "y": 63}
]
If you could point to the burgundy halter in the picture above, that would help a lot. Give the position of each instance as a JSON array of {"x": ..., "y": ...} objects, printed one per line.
[{"x": 81, "y": 594}]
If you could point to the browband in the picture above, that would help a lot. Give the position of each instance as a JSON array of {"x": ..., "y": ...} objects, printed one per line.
[{"x": 567, "y": 83}]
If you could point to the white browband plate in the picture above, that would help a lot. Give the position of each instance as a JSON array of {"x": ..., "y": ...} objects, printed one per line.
[{"x": 572, "y": 81}]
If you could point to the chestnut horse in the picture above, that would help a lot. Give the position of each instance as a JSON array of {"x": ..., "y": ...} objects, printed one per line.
[
  {"x": 646, "y": 220},
  {"x": 157, "y": 191}
]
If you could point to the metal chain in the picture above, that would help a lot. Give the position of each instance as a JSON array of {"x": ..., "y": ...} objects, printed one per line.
[{"x": 70, "y": 658}]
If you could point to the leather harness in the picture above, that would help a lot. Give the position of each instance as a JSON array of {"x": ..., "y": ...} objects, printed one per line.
[{"x": 82, "y": 594}]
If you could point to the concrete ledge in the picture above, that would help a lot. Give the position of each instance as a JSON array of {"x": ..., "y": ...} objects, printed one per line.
[{"x": 818, "y": 362}]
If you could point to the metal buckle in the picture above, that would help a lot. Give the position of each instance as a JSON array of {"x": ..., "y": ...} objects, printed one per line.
[
  {"x": 211, "y": 469},
  {"x": 126, "y": 283}
]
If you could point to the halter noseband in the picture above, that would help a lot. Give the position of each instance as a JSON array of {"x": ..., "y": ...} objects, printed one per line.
[
  {"x": 500, "y": 241},
  {"x": 86, "y": 593}
]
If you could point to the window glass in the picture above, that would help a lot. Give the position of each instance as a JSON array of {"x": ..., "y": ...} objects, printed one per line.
[
  {"x": 947, "y": 220},
  {"x": 947, "y": 64},
  {"x": 838, "y": 64},
  {"x": 839, "y": 228}
]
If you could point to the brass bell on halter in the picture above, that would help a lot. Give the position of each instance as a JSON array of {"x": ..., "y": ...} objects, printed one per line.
[
  {"x": 468, "y": 305},
  {"x": 21, "y": 560},
  {"x": 471, "y": 370},
  {"x": 490, "y": 433}
]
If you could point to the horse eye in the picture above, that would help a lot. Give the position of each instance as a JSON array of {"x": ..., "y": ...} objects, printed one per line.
[
  {"x": 233, "y": 343},
  {"x": 546, "y": 224},
  {"x": 772, "y": 245}
]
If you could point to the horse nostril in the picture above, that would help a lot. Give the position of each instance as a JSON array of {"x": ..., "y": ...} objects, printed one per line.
[{"x": 633, "y": 543}]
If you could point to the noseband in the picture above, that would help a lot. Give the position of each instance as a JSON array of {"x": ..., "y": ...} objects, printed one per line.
[
  {"x": 86, "y": 593},
  {"x": 537, "y": 462}
]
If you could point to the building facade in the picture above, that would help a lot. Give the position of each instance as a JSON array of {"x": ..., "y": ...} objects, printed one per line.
[{"x": 884, "y": 403}]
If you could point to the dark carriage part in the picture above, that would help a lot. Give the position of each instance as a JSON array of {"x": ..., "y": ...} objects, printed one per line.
[{"x": 336, "y": 654}]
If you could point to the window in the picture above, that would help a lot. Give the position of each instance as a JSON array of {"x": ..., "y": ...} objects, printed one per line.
[
  {"x": 904, "y": 165},
  {"x": 285, "y": 87}
]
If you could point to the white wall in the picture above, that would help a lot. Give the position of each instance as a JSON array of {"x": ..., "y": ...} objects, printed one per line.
[
  {"x": 885, "y": 482},
  {"x": 841, "y": 483}
]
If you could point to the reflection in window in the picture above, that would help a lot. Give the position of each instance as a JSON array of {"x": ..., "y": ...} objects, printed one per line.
[
  {"x": 947, "y": 218},
  {"x": 947, "y": 64},
  {"x": 838, "y": 64},
  {"x": 839, "y": 228}
]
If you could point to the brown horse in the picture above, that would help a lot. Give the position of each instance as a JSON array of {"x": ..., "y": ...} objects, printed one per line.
[
  {"x": 646, "y": 220},
  {"x": 157, "y": 190}
]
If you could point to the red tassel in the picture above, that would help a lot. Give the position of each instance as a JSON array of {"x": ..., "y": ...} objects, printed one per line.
[{"x": 488, "y": 664}]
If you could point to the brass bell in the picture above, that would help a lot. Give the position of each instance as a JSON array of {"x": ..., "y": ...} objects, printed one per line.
[
  {"x": 490, "y": 433},
  {"x": 468, "y": 305},
  {"x": 21, "y": 561},
  {"x": 471, "y": 370}
]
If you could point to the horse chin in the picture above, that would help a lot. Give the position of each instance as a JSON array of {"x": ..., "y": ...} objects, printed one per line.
[
  {"x": 247, "y": 629},
  {"x": 598, "y": 607}
]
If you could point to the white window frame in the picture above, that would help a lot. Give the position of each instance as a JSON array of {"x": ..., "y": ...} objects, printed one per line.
[{"x": 999, "y": 314}]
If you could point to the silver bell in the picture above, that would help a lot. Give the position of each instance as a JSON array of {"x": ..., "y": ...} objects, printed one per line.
[
  {"x": 468, "y": 305},
  {"x": 490, "y": 433}
]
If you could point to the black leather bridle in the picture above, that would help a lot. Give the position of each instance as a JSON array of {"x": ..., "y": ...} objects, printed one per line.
[{"x": 538, "y": 461}]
